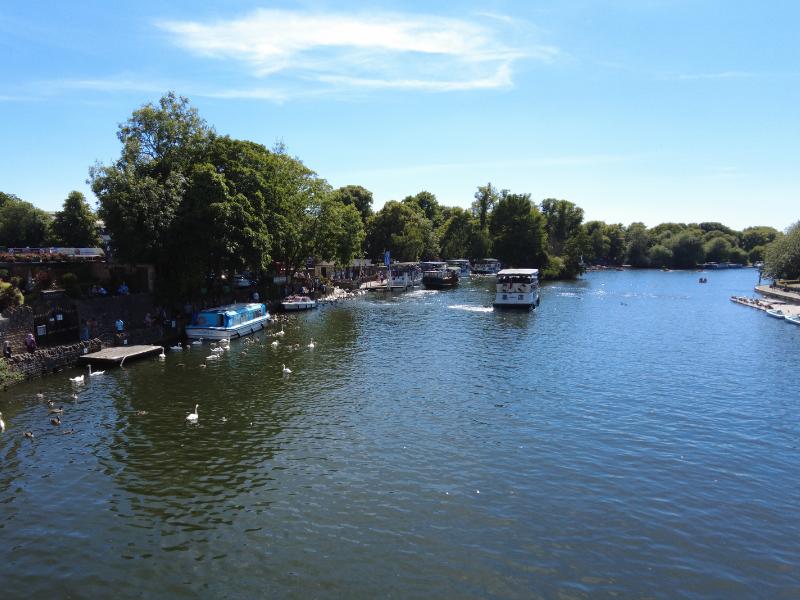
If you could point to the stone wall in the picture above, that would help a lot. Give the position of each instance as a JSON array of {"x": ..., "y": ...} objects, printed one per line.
[
  {"x": 15, "y": 325},
  {"x": 50, "y": 360}
]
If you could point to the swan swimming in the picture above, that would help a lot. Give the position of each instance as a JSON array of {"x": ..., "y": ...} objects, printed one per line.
[
  {"x": 286, "y": 371},
  {"x": 311, "y": 344},
  {"x": 2, "y": 423},
  {"x": 274, "y": 344},
  {"x": 281, "y": 332},
  {"x": 176, "y": 348},
  {"x": 212, "y": 357},
  {"x": 192, "y": 417},
  {"x": 78, "y": 379},
  {"x": 94, "y": 373}
]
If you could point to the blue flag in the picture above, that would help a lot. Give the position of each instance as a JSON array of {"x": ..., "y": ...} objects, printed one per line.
[{"x": 386, "y": 260}]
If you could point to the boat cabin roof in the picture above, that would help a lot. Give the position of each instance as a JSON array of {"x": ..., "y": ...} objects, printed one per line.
[
  {"x": 487, "y": 260},
  {"x": 458, "y": 260},
  {"x": 233, "y": 308},
  {"x": 528, "y": 272}
]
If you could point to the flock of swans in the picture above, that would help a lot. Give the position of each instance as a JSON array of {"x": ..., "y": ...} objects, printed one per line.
[{"x": 218, "y": 349}]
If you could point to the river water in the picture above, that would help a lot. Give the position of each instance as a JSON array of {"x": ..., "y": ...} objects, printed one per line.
[{"x": 635, "y": 436}]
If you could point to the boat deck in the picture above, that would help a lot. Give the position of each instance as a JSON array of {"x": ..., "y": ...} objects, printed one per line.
[{"x": 117, "y": 355}]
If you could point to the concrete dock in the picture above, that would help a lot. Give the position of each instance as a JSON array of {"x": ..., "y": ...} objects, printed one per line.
[{"x": 118, "y": 355}]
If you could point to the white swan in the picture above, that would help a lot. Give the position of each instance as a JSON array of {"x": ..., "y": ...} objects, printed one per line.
[
  {"x": 218, "y": 349},
  {"x": 281, "y": 332},
  {"x": 212, "y": 357},
  {"x": 274, "y": 344},
  {"x": 192, "y": 417},
  {"x": 162, "y": 356},
  {"x": 286, "y": 371},
  {"x": 79, "y": 379},
  {"x": 176, "y": 348},
  {"x": 94, "y": 373},
  {"x": 197, "y": 342},
  {"x": 2, "y": 423},
  {"x": 311, "y": 344}
]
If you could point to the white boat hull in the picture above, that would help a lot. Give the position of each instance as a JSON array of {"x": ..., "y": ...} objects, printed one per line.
[
  {"x": 526, "y": 300},
  {"x": 219, "y": 333}
]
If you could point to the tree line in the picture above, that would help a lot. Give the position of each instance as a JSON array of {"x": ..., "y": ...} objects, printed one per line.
[{"x": 199, "y": 205}]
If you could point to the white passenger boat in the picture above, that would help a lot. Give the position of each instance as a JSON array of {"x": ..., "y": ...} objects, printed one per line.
[
  {"x": 517, "y": 288},
  {"x": 486, "y": 266},
  {"x": 462, "y": 264},
  {"x": 403, "y": 276},
  {"x": 794, "y": 319},
  {"x": 229, "y": 321},
  {"x": 295, "y": 302}
]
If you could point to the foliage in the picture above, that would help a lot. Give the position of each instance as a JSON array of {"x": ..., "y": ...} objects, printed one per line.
[
  {"x": 718, "y": 249},
  {"x": 401, "y": 229},
  {"x": 428, "y": 205},
  {"x": 687, "y": 249},
  {"x": 10, "y": 296},
  {"x": 782, "y": 256},
  {"x": 753, "y": 237},
  {"x": 7, "y": 374},
  {"x": 637, "y": 244},
  {"x": 357, "y": 196},
  {"x": 518, "y": 230},
  {"x": 485, "y": 200},
  {"x": 75, "y": 225},
  {"x": 22, "y": 224},
  {"x": 660, "y": 256},
  {"x": 563, "y": 221}
]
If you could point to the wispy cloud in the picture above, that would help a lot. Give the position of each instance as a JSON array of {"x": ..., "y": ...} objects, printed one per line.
[{"x": 385, "y": 51}]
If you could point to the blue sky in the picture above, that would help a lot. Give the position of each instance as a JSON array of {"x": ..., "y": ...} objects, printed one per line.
[{"x": 650, "y": 110}]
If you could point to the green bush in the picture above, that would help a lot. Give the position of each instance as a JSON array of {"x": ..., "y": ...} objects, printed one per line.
[
  {"x": 10, "y": 296},
  {"x": 8, "y": 375}
]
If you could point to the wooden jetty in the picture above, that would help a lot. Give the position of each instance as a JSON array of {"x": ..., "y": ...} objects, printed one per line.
[{"x": 117, "y": 355}]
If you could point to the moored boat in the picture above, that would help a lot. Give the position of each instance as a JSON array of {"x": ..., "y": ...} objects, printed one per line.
[
  {"x": 438, "y": 276},
  {"x": 776, "y": 313},
  {"x": 228, "y": 321},
  {"x": 296, "y": 302},
  {"x": 517, "y": 288},
  {"x": 486, "y": 266},
  {"x": 462, "y": 264},
  {"x": 793, "y": 319}
]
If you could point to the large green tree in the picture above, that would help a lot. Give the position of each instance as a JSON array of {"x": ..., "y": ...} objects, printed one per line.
[
  {"x": 486, "y": 198},
  {"x": 75, "y": 225},
  {"x": 23, "y": 225},
  {"x": 637, "y": 244},
  {"x": 687, "y": 249},
  {"x": 401, "y": 229},
  {"x": 518, "y": 230},
  {"x": 460, "y": 235},
  {"x": 357, "y": 196},
  {"x": 782, "y": 256}
]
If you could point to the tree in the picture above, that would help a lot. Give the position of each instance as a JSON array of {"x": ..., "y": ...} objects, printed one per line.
[
  {"x": 717, "y": 249},
  {"x": 10, "y": 296},
  {"x": 340, "y": 232},
  {"x": 8, "y": 198},
  {"x": 782, "y": 256},
  {"x": 687, "y": 249},
  {"x": 430, "y": 207},
  {"x": 399, "y": 228},
  {"x": 518, "y": 230},
  {"x": 563, "y": 219},
  {"x": 758, "y": 236},
  {"x": 140, "y": 193},
  {"x": 660, "y": 256},
  {"x": 485, "y": 200},
  {"x": 357, "y": 196},
  {"x": 637, "y": 240},
  {"x": 458, "y": 235},
  {"x": 75, "y": 225},
  {"x": 23, "y": 225}
]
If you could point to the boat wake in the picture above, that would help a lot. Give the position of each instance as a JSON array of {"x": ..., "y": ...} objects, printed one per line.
[{"x": 469, "y": 308}]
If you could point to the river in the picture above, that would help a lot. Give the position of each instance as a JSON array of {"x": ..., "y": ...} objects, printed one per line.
[{"x": 635, "y": 436}]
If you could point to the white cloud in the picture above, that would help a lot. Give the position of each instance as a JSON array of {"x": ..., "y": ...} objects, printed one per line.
[{"x": 385, "y": 51}]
